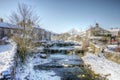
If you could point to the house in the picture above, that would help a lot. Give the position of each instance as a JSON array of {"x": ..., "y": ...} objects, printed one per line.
[
  {"x": 41, "y": 34},
  {"x": 115, "y": 31},
  {"x": 7, "y": 29},
  {"x": 47, "y": 35},
  {"x": 96, "y": 31}
]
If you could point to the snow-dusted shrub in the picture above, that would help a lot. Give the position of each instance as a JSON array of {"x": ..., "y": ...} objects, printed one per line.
[{"x": 24, "y": 45}]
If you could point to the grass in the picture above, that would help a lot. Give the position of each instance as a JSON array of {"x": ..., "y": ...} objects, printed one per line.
[
  {"x": 113, "y": 57},
  {"x": 88, "y": 74}
]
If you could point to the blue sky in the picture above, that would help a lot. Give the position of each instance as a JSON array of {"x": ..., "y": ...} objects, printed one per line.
[{"x": 63, "y": 15}]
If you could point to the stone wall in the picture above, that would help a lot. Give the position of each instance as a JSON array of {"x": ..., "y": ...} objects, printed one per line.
[{"x": 95, "y": 48}]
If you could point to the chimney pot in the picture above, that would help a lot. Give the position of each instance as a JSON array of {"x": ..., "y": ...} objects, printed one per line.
[{"x": 1, "y": 20}]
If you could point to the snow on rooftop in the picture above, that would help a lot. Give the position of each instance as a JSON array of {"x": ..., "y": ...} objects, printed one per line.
[
  {"x": 114, "y": 29},
  {"x": 6, "y": 56},
  {"x": 103, "y": 66},
  {"x": 7, "y": 25}
]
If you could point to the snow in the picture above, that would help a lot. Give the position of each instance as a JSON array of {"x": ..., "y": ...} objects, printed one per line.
[
  {"x": 61, "y": 48},
  {"x": 103, "y": 66},
  {"x": 112, "y": 46},
  {"x": 63, "y": 56},
  {"x": 111, "y": 49},
  {"x": 7, "y": 25},
  {"x": 4, "y": 48},
  {"x": 27, "y": 70},
  {"x": 31, "y": 74},
  {"x": 39, "y": 60},
  {"x": 6, "y": 55},
  {"x": 44, "y": 75}
]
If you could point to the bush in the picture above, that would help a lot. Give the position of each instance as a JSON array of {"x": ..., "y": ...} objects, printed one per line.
[{"x": 23, "y": 45}]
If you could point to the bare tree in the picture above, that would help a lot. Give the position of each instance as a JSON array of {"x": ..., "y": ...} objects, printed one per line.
[{"x": 26, "y": 18}]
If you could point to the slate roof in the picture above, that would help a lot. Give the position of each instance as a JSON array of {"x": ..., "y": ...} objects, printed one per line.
[{"x": 10, "y": 26}]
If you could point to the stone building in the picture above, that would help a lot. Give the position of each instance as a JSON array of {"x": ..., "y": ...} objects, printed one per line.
[
  {"x": 41, "y": 34},
  {"x": 115, "y": 31},
  {"x": 96, "y": 31},
  {"x": 7, "y": 29}
]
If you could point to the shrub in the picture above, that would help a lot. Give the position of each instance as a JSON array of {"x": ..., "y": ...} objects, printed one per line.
[{"x": 24, "y": 45}]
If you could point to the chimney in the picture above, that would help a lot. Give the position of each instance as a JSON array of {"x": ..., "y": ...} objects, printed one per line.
[
  {"x": 97, "y": 25},
  {"x": 1, "y": 20}
]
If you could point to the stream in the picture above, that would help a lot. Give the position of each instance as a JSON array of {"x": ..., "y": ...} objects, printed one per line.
[{"x": 51, "y": 66}]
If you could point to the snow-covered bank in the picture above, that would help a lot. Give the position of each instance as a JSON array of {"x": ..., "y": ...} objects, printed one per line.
[
  {"x": 103, "y": 66},
  {"x": 6, "y": 55}
]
